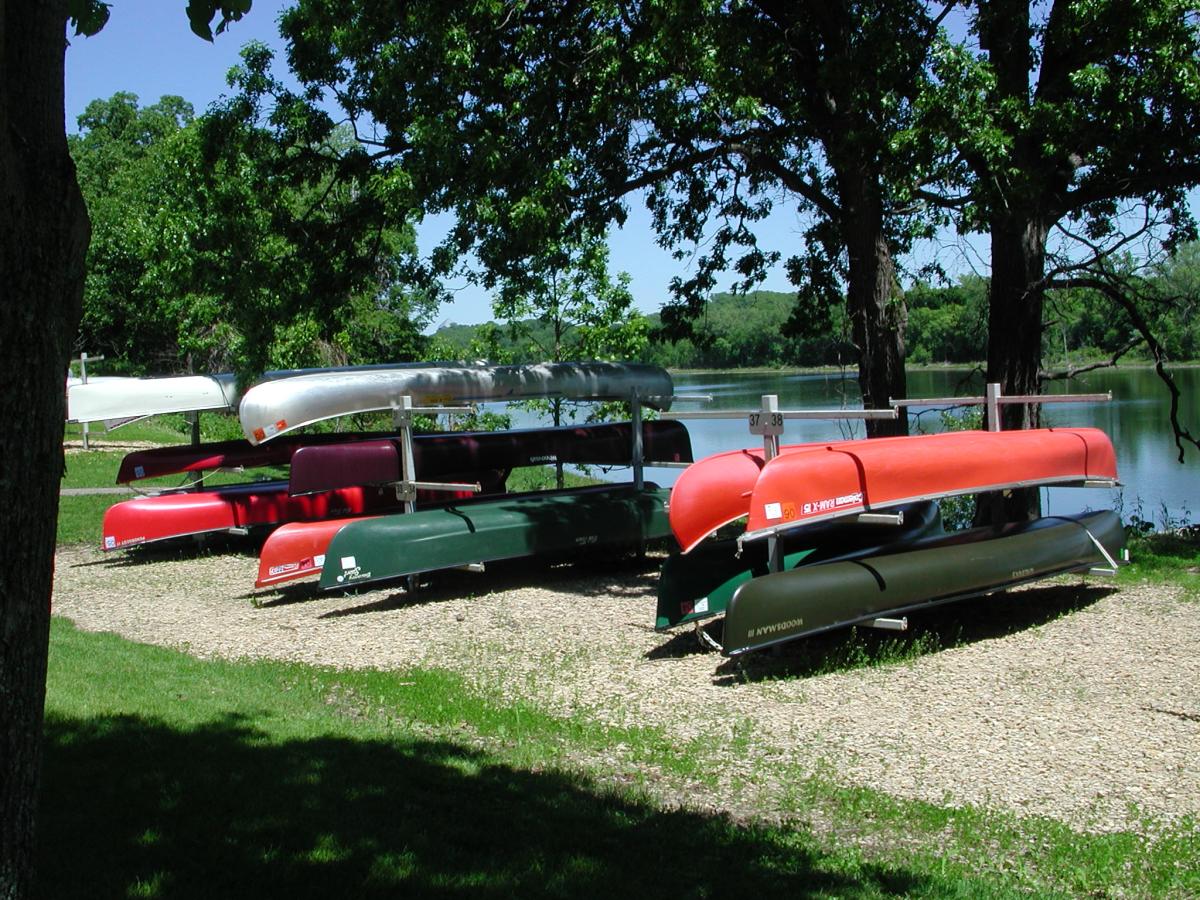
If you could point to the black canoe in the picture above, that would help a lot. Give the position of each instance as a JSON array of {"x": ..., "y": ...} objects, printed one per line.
[{"x": 787, "y": 605}]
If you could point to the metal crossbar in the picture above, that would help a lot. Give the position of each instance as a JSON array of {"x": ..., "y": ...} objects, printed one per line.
[{"x": 994, "y": 399}]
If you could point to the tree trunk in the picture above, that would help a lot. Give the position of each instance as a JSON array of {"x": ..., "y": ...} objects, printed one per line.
[
  {"x": 877, "y": 313},
  {"x": 1015, "y": 341},
  {"x": 43, "y": 239}
]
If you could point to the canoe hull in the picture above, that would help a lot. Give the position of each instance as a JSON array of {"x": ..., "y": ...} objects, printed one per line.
[
  {"x": 804, "y": 601},
  {"x": 324, "y": 468},
  {"x": 144, "y": 520},
  {"x": 155, "y": 462},
  {"x": 539, "y": 524},
  {"x": 845, "y": 478},
  {"x": 296, "y": 550},
  {"x": 700, "y": 584},
  {"x": 264, "y": 504},
  {"x": 716, "y": 490},
  {"x": 108, "y": 399},
  {"x": 276, "y": 407}
]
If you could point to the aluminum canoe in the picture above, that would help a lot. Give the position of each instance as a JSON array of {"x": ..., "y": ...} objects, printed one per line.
[
  {"x": 546, "y": 523},
  {"x": 118, "y": 400},
  {"x": 699, "y": 585},
  {"x": 807, "y": 600},
  {"x": 276, "y": 407}
]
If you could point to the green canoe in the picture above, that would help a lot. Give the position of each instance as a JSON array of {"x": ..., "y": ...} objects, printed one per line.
[
  {"x": 800, "y": 602},
  {"x": 537, "y": 524},
  {"x": 696, "y": 585}
]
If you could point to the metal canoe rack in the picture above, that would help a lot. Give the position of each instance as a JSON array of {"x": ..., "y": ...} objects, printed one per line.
[
  {"x": 993, "y": 399},
  {"x": 768, "y": 421},
  {"x": 407, "y": 486},
  {"x": 83, "y": 361}
]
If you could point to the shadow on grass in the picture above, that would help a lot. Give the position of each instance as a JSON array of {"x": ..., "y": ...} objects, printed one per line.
[
  {"x": 131, "y": 807},
  {"x": 931, "y": 630}
]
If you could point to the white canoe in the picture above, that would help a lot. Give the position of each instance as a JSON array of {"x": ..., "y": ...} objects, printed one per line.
[
  {"x": 276, "y": 407},
  {"x": 116, "y": 400}
]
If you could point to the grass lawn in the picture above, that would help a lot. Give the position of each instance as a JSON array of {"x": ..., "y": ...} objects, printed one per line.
[{"x": 169, "y": 776}]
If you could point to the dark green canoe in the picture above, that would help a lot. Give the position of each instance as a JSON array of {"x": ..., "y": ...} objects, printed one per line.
[
  {"x": 699, "y": 584},
  {"x": 539, "y": 524},
  {"x": 787, "y": 605}
]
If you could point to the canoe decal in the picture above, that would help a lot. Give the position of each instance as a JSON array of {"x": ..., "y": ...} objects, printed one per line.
[{"x": 776, "y": 627}]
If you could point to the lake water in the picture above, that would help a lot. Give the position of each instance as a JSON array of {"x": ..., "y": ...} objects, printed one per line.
[{"x": 1155, "y": 484}]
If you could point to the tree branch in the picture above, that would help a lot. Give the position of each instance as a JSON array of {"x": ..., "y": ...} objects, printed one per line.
[{"x": 1103, "y": 284}]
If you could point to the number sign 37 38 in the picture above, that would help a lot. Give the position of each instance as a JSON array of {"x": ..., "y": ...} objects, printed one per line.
[{"x": 766, "y": 423}]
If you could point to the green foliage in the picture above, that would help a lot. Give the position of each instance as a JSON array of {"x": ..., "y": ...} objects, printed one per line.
[
  {"x": 535, "y": 125},
  {"x": 209, "y": 253},
  {"x": 752, "y": 330},
  {"x": 947, "y": 324}
]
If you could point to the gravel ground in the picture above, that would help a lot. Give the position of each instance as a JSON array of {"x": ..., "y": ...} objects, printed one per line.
[{"x": 1091, "y": 717}]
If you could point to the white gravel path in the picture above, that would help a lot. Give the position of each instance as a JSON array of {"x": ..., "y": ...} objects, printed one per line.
[{"x": 1092, "y": 718}]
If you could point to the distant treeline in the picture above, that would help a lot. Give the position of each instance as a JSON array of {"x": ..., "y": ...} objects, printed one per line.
[{"x": 945, "y": 325}]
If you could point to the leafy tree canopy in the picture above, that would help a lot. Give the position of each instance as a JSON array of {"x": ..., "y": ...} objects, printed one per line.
[
  {"x": 536, "y": 122},
  {"x": 203, "y": 253}
]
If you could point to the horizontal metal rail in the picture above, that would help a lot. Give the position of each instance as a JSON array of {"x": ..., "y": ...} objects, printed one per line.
[
  {"x": 1021, "y": 398},
  {"x": 786, "y": 414}
]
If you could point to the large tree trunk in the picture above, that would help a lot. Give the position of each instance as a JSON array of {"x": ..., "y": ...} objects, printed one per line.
[
  {"x": 43, "y": 239},
  {"x": 1015, "y": 341},
  {"x": 1019, "y": 229},
  {"x": 877, "y": 312}
]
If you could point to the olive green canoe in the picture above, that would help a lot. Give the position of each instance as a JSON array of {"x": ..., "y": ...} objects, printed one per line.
[
  {"x": 787, "y": 605},
  {"x": 699, "y": 584},
  {"x": 543, "y": 523}
]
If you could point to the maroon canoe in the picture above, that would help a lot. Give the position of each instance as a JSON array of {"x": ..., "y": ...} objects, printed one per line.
[
  {"x": 323, "y": 468},
  {"x": 155, "y": 462}
]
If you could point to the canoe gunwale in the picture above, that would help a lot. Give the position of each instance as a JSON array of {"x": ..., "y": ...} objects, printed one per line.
[{"x": 1056, "y": 481}]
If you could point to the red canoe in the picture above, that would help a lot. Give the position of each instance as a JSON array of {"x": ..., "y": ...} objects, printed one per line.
[
  {"x": 257, "y": 504},
  {"x": 814, "y": 482},
  {"x": 296, "y": 550},
  {"x": 715, "y": 491},
  {"x": 163, "y": 516}
]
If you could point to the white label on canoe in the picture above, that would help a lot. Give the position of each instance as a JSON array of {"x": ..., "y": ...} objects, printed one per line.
[
  {"x": 319, "y": 560},
  {"x": 110, "y": 542},
  {"x": 701, "y": 605},
  {"x": 774, "y": 511},
  {"x": 348, "y": 562}
]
